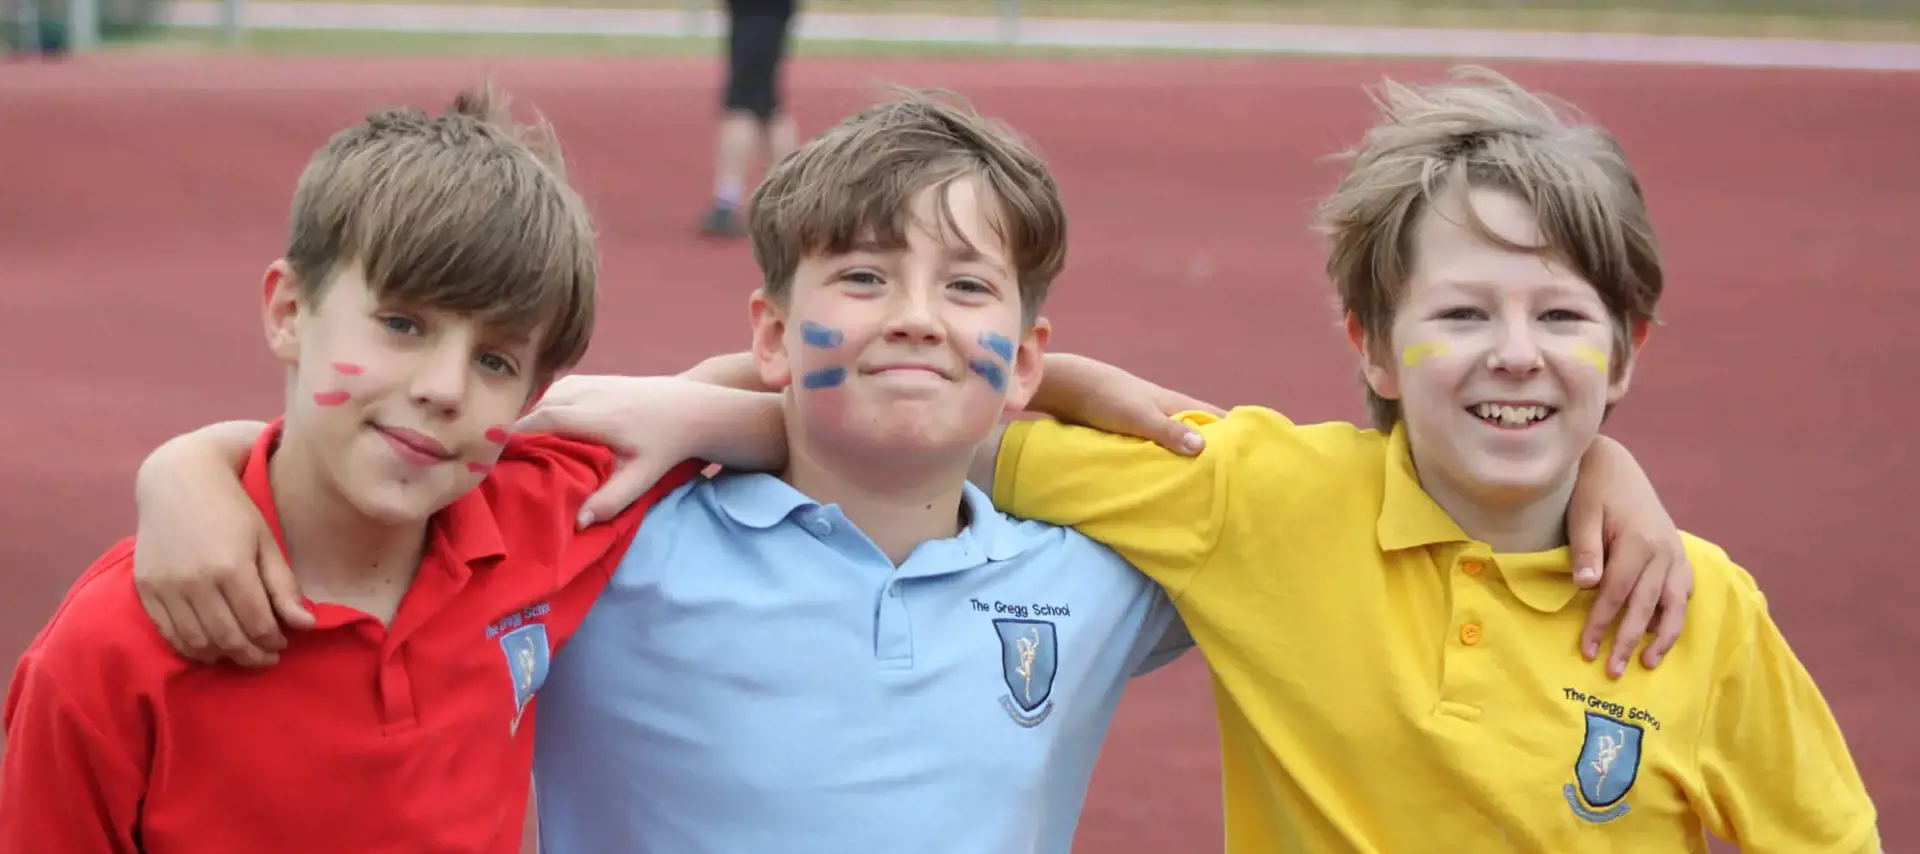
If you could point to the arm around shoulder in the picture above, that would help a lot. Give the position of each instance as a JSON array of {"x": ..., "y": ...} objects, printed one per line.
[{"x": 1162, "y": 511}]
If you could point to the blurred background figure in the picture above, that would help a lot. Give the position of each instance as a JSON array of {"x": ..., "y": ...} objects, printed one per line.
[{"x": 752, "y": 120}]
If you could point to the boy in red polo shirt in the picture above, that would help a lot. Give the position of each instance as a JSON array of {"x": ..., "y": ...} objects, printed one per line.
[{"x": 439, "y": 272}]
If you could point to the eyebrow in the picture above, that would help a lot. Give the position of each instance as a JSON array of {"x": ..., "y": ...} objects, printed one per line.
[
  {"x": 1559, "y": 287},
  {"x": 970, "y": 255}
]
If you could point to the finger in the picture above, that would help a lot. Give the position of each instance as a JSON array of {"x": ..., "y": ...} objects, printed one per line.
[
  {"x": 541, "y": 419},
  {"x": 253, "y": 611},
  {"x": 1640, "y": 608},
  {"x": 1616, "y": 584},
  {"x": 282, "y": 588},
  {"x": 193, "y": 637},
  {"x": 223, "y": 631},
  {"x": 630, "y": 480},
  {"x": 1176, "y": 435},
  {"x": 157, "y": 612},
  {"x": 1673, "y": 616},
  {"x": 1587, "y": 541}
]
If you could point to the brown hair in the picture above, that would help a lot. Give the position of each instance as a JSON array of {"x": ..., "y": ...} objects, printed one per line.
[
  {"x": 466, "y": 212},
  {"x": 856, "y": 183},
  {"x": 1480, "y": 130}
]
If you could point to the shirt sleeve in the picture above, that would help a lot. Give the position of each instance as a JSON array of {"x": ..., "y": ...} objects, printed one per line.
[
  {"x": 69, "y": 784},
  {"x": 1777, "y": 773},
  {"x": 1162, "y": 511},
  {"x": 1169, "y": 644},
  {"x": 541, "y": 482}
]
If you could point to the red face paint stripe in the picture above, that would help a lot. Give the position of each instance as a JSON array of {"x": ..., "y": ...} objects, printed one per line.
[
  {"x": 331, "y": 398},
  {"x": 348, "y": 368},
  {"x": 496, "y": 435}
]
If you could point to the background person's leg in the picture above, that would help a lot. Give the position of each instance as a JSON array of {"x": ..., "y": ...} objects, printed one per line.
[{"x": 751, "y": 121}]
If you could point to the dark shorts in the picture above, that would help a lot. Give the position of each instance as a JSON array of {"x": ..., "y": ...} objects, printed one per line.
[{"x": 756, "y": 44}]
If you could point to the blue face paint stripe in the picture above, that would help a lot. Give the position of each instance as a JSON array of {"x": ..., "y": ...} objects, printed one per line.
[
  {"x": 824, "y": 378},
  {"x": 824, "y": 337},
  {"x": 1001, "y": 345},
  {"x": 992, "y": 373}
]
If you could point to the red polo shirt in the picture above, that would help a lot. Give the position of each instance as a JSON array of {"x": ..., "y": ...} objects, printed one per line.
[{"x": 411, "y": 738}]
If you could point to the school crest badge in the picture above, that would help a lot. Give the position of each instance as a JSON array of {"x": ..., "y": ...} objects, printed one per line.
[
  {"x": 527, "y": 658},
  {"x": 1608, "y": 764},
  {"x": 1029, "y": 656}
]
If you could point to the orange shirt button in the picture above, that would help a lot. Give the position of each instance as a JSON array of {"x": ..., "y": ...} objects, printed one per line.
[
  {"x": 1469, "y": 634},
  {"x": 1471, "y": 567}
]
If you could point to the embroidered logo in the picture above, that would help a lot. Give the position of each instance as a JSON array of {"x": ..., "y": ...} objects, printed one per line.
[
  {"x": 527, "y": 658},
  {"x": 1028, "y": 658},
  {"x": 1608, "y": 764}
]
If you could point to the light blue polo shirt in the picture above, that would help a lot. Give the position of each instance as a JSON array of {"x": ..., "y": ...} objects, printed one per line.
[{"x": 759, "y": 677}]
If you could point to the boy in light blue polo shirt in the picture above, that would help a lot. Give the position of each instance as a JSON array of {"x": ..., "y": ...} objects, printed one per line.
[{"x": 861, "y": 654}]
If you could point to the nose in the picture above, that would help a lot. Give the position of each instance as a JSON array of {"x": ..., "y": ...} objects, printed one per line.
[
  {"x": 1517, "y": 352},
  {"x": 915, "y": 316},
  {"x": 440, "y": 382}
]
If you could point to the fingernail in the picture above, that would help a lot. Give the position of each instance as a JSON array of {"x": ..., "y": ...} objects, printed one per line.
[
  {"x": 1592, "y": 650},
  {"x": 1193, "y": 442},
  {"x": 1653, "y": 660},
  {"x": 1585, "y": 573},
  {"x": 586, "y": 517}
]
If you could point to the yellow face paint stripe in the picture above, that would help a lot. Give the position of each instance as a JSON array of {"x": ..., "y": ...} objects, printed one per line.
[
  {"x": 1591, "y": 355},
  {"x": 1421, "y": 352}
]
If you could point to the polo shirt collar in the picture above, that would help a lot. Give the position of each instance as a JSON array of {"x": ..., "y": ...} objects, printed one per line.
[
  {"x": 466, "y": 526},
  {"x": 1410, "y": 518},
  {"x": 760, "y": 500},
  {"x": 1543, "y": 580}
]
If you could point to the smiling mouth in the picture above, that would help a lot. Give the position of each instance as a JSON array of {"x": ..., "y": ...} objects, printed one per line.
[
  {"x": 1511, "y": 416},
  {"x": 910, "y": 369}
]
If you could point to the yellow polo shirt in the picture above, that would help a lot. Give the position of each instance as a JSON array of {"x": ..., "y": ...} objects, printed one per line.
[{"x": 1386, "y": 684}]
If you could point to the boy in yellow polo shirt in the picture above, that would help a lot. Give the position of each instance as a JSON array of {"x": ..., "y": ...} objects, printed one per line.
[{"x": 1498, "y": 272}]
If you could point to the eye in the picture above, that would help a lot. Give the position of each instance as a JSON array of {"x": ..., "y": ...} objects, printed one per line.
[
  {"x": 497, "y": 363},
  {"x": 1461, "y": 313},
  {"x": 1563, "y": 315},
  {"x": 400, "y": 323},
  {"x": 863, "y": 278},
  {"x": 972, "y": 286}
]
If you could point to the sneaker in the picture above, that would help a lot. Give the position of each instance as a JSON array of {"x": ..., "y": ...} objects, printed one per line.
[{"x": 722, "y": 222}]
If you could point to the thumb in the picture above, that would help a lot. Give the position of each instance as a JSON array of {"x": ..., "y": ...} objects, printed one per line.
[
  {"x": 630, "y": 480},
  {"x": 282, "y": 588},
  {"x": 541, "y": 420},
  {"x": 1180, "y": 437}
]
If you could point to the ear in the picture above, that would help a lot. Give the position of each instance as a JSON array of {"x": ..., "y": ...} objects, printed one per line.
[
  {"x": 769, "y": 340},
  {"x": 1381, "y": 378},
  {"x": 1027, "y": 364},
  {"x": 282, "y": 310},
  {"x": 1639, "y": 330}
]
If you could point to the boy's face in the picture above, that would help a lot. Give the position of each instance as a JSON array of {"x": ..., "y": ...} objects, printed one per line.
[
  {"x": 402, "y": 409},
  {"x": 1500, "y": 359},
  {"x": 916, "y": 351}
]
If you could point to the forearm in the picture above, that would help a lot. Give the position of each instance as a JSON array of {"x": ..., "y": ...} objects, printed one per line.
[
  {"x": 743, "y": 430},
  {"x": 216, "y": 450},
  {"x": 733, "y": 370},
  {"x": 1064, "y": 384}
]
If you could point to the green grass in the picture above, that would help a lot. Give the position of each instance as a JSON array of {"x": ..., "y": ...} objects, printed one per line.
[
  {"x": 1897, "y": 20},
  {"x": 392, "y": 44}
]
